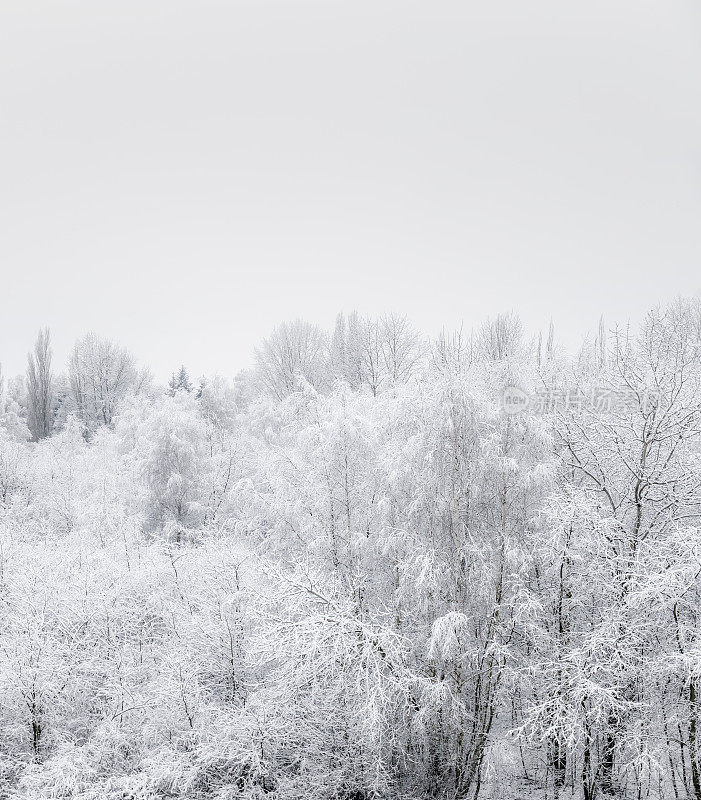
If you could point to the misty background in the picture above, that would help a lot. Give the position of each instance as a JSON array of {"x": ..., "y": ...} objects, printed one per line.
[{"x": 181, "y": 176}]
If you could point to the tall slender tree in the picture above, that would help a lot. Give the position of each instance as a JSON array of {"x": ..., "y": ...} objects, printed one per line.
[{"x": 40, "y": 387}]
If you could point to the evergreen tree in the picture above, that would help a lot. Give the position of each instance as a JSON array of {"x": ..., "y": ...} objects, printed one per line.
[{"x": 179, "y": 381}]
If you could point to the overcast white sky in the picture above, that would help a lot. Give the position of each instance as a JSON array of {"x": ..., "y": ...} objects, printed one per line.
[{"x": 181, "y": 176}]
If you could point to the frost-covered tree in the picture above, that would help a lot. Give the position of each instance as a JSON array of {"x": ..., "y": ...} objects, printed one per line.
[
  {"x": 606, "y": 568},
  {"x": 179, "y": 382},
  {"x": 377, "y": 583},
  {"x": 101, "y": 375},
  {"x": 502, "y": 337},
  {"x": 294, "y": 349},
  {"x": 376, "y": 353},
  {"x": 40, "y": 387}
]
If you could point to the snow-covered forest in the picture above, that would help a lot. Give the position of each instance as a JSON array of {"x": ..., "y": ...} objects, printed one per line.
[{"x": 358, "y": 570}]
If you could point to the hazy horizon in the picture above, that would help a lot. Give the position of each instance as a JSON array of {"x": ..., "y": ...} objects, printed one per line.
[{"x": 183, "y": 178}]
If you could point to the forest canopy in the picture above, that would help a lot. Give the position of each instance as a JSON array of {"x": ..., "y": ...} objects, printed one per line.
[{"x": 374, "y": 566}]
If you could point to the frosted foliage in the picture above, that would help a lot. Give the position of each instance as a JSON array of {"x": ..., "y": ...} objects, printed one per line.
[{"x": 353, "y": 572}]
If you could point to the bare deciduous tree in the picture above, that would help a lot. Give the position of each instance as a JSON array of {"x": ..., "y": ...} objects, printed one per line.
[
  {"x": 101, "y": 374},
  {"x": 293, "y": 349},
  {"x": 502, "y": 337}
]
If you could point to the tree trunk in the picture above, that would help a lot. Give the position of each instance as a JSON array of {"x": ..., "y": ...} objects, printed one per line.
[{"x": 693, "y": 740}]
